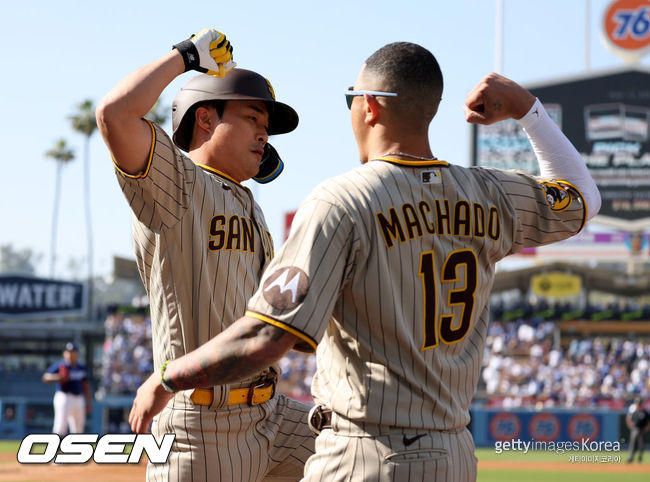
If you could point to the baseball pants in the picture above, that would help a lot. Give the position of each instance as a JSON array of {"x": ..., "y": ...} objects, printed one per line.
[
  {"x": 434, "y": 457},
  {"x": 269, "y": 442},
  {"x": 637, "y": 444},
  {"x": 69, "y": 412}
]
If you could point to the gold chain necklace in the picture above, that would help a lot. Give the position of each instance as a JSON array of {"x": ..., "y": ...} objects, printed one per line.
[{"x": 421, "y": 158}]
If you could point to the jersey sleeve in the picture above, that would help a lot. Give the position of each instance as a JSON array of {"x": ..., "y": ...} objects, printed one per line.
[
  {"x": 53, "y": 368},
  {"x": 300, "y": 287},
  {"x": 160, "y": 194},
  {"x": 544, "y": 211}
]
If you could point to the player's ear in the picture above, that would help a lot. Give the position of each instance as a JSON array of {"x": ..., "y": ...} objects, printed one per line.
[
  {"x": 372, "y": 108},
  {"x": 204, "y": 118}
]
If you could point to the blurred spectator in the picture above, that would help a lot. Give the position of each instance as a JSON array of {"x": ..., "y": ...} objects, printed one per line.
[
  {"x": 128, "y": 360},
  {"x": 297, "y": 372},
  {"x": 523, "y": 368}
]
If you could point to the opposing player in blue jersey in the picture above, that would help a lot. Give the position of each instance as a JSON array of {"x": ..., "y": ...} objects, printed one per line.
[{"x": 72, "y": 398}]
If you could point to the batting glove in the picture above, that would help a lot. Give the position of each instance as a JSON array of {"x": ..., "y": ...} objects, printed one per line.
[{"x": 208, "y": 52}]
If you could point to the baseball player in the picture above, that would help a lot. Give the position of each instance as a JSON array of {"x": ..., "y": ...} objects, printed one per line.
[
  {"x": 387, "y": 274},
  {"x": 72, "y": 400},
  {"x": 201, "y": 243},
  {"x": 637, "y": 420}
]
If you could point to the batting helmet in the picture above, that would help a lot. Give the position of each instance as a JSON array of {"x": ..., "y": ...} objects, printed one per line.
[{"x": 240, "y": 84}]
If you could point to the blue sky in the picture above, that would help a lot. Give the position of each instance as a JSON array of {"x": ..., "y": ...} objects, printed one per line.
[{"x": 57, "y": 54}]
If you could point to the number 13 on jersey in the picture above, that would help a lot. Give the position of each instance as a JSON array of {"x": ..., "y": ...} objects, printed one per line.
[{"x": 439, "y": 324}]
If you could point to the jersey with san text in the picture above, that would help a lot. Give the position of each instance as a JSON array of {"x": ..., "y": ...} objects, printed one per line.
[
  {"x": 201, "y": 243},
  {"x": 388, "y": 269}
]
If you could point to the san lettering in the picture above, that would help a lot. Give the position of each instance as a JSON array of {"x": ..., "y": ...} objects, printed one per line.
[
  {"x": 442, "y": 219},
  {"x": 233, "y": 233},
  {"x": 267, "y": 242}
]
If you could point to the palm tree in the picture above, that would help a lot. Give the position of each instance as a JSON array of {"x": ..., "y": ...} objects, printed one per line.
[
  {"x": 158, "y": 113},
  {"x": 61, "y": 154},
  {"x": 83, "y": 121}
]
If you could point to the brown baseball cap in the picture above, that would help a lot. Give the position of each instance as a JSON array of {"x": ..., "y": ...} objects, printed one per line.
[{"x": 239, "y": 84}]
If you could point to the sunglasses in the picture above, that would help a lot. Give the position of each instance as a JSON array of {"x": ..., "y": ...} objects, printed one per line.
[{"x": 350, "y": 94}]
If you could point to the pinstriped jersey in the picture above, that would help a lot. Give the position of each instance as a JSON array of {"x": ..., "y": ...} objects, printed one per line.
[
  {"x": 388, "y": 269},
  {"x": 201, "y": 243}
]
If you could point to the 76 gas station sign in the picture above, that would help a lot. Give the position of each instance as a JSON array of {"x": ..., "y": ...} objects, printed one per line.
[{"x": 626, "y": 28}]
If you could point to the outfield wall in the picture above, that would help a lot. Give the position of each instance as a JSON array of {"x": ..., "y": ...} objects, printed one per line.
[
  {"x": 20, "y": 416},
  {"x": 559, "y": 425}
]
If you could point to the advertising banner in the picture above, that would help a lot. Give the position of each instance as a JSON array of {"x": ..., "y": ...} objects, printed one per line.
[
  {"x": 545, "y": 426},
  {"x": 30, "y": 297},
  {"x": 607, "y": 117}
]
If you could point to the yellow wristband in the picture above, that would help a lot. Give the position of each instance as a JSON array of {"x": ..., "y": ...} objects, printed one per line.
[{"x": 162, "y": 378}]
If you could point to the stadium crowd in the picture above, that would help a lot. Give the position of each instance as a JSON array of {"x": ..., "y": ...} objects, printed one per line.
[
  {"x": 127, "y": 354},
  {"x": 525, "y": 363},
  {"x": 128, "y": 362}
]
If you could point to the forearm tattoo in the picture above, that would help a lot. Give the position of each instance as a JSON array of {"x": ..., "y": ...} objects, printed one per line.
[
  {"x": 226, "y": 358},
  {"x": 185, "y": 373}
]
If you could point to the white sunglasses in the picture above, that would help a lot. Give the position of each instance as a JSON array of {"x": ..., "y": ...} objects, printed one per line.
[{"x": 350, "y": 94}]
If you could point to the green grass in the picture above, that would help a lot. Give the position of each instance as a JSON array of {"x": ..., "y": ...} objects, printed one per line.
[
  {"x": 537, "y": 475},
  {"x": 510, "y": 475},
  {"x": 9, "y": 446}
]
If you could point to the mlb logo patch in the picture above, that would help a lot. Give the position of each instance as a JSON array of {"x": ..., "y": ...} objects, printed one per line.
[{"x": 430, "y": 177}]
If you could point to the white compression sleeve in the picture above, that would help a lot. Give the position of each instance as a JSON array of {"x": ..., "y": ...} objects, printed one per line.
[{"x": 558, "y": 159}]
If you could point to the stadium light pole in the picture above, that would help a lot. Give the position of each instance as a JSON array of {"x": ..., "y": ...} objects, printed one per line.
[
  {"x": 498, "y": 38},
  {"x": 587, "y": 35}
]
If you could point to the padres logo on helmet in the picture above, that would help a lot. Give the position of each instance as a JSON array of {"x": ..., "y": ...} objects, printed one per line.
[
  {"x": 271, "y": 91},
  {"x": 557, "y": 196}
]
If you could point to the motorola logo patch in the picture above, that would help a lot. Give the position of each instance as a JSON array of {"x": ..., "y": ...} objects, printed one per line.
[{"x": 286, "y": 288}]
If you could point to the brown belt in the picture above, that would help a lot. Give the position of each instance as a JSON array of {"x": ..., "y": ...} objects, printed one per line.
[
  {"x": 253, "y": 395},
  {"x": 319, "y": 419}
]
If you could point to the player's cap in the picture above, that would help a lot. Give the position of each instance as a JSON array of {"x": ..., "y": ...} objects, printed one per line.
[
  {"x": 70, "y": 346},
  {"x": 239, "y": 84}
]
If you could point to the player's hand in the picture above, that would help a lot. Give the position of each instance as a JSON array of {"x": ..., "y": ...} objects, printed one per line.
[
  {"x": 64, "y": 373},
  {"x": 149, "y": 401},
  {"x": 209, "y": 52},
  {"x": 496, "y": 98}
]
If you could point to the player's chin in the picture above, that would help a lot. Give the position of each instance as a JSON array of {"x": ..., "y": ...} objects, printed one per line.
[{"x": 253, "y": 166}]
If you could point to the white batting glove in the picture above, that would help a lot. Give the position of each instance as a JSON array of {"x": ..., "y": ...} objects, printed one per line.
[{"x": 209, "y": 52}]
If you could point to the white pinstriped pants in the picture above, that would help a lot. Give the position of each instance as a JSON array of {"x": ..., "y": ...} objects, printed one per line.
[{"x": 434, "y": 457}]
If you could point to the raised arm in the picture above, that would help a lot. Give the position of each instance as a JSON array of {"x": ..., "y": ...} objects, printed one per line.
[
  {"x": 120, "y": 113},
  {"x": 496, "y": 98}
]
